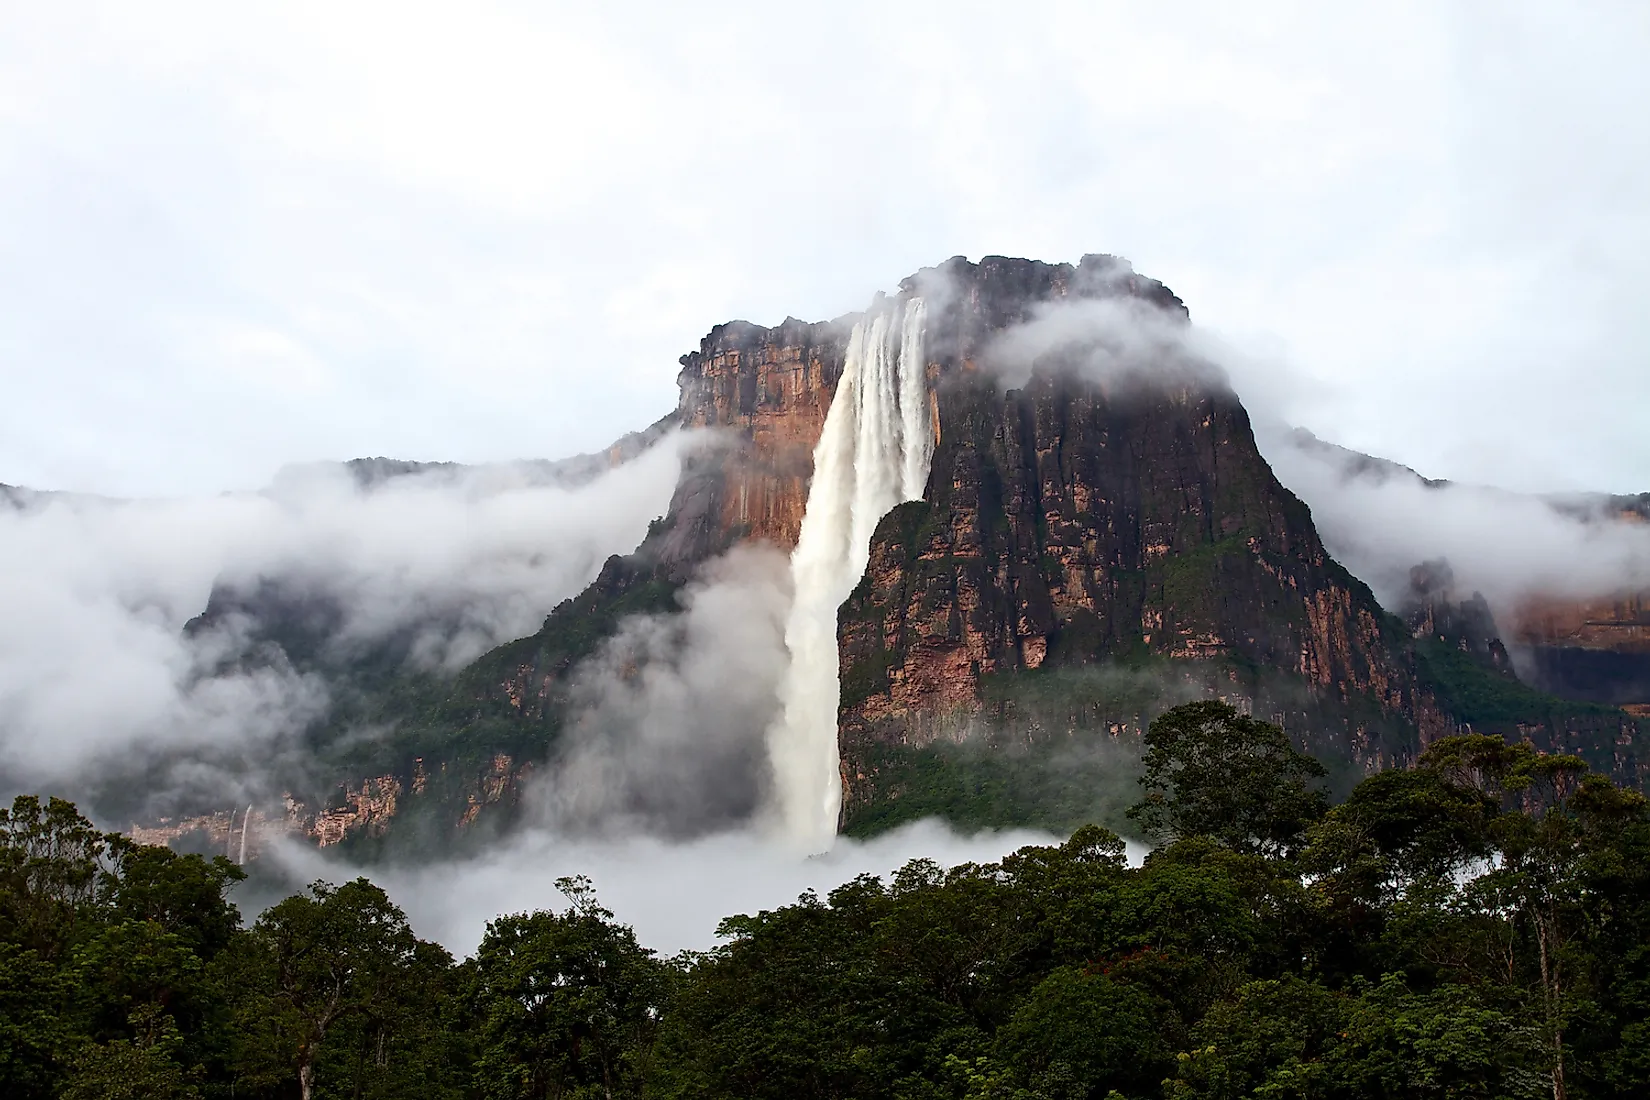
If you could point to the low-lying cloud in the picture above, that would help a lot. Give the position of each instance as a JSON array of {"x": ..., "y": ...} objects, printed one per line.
[
  {"x": 1380, "y": 520},
  {"x": 666, "y": 734},
  {"x": 673, "y": 894},
  {"x": 1125, "y": 343},
  {"x": 97, "y": 670},
  {"x": 1377, "y": 518}
]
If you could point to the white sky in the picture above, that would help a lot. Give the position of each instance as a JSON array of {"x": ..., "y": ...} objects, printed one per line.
[{"x": 238, "y": 235}]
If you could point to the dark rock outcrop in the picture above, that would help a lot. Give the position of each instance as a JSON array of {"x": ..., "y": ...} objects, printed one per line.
[{"x": 1435, "y": 610}]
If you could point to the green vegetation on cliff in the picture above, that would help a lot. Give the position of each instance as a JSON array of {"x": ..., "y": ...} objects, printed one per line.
[
  {"x": 989, "y": 785},
  {"x": 1487, "y": 700},
  {"x": 1056, "y": 748},
  {"x": 511, "y": 700}
]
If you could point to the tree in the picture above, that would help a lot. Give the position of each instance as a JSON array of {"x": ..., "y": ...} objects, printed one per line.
[
  {"x": 1214, "y": 772},
  {"x": 1269, "y": 1039},
  {"x": 1294, "y": 1038},
  {"x": 35, "y": 1034},
  {"x": 409, "y": 1041},
  {"x": 1534, "y": 893},
  {"x": 184, "y": 894},
  {"x": 51, "y": 860},
  {"x": 1090, "y": 1030},
  {"x": 146, "y": 1067},
  {"x": 309, "y": 963},
  {"x": 98, "y": 934},
  {"x": 1419, "y": 823},
  {"x": 1477, "y": 926},
  {"x": 566, "y": 1003}
]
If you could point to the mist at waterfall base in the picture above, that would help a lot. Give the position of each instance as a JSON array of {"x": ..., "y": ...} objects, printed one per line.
[
  {"x": 666, "y": 721},
  {"x": 673, "y": 893}
]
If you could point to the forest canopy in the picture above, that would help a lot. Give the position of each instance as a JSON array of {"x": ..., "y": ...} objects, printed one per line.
[{"x": 1475, "y": 926}]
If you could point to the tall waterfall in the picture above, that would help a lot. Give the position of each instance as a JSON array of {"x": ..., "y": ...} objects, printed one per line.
[{"x": 873, "y": 453}]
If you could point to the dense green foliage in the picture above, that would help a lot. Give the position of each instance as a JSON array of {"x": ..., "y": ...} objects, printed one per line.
[
  {"x": 1213, "y": 772},
  {"x": 1478, "y": 697},
  {"x": 1478, "y": 926},
  {"x": 977, "y": 785}
]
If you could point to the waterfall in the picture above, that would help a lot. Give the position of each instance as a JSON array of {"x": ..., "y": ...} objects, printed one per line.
[
  {"x": 245, "y": 821},
  {"x": 873, "y": 453},
  {"x": 916, "y": 426}
]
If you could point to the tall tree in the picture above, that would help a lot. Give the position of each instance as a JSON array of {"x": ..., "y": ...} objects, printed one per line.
[
  {"x": 307, "y": 964},
  {"x": 1213, "y": 771},
  {"x": 51, "y": 861},
  {"x": 566, "y": 1002}
]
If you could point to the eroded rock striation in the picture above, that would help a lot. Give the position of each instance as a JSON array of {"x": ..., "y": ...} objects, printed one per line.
[{"x": 766, "y": 392}]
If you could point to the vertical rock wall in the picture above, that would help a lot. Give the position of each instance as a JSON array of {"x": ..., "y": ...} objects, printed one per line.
[{"x": 766, "y": 391}]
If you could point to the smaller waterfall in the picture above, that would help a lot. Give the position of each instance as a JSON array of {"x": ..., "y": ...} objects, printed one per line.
[
  {"x": 873, "y": 453},
  {"x": 916, "y": 424}
]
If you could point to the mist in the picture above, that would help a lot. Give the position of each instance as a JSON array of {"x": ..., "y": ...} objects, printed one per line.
[
  {"x": 666, "y": 729},
  {"x": 1377, "y": 518},
  {"x": 673, "y": 894},
  {"x": 1380, "y": 520},
  {"x": 98, "y": 671},
  {"x": 1124, "y": 343}
]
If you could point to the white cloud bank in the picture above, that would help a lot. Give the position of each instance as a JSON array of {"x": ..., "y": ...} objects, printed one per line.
[
  {"x": 673, "y": 894},
  {"x": 95, "y": 666},
  {"x": 1509, "y": 546},
  {"x": 668, "y": 717}
]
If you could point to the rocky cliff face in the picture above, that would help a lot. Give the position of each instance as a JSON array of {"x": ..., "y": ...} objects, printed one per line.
[
  {"x": 1596, "y": 650},
  {"x": 1593, "y": 648},
  {"x": 1073, "y": 521},
  {"x": 1468, "y": 668},
  {"x": 765, "y": 391},
  {"x": 1599, "y": 649},
  {"x": 1435, "y": 609}
]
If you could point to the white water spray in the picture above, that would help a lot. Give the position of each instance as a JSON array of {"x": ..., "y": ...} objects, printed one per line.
[
  {"x": 916, "y": 423},
  {"x": 245, "y": 821},
  {"x": 873, "y": 453}
]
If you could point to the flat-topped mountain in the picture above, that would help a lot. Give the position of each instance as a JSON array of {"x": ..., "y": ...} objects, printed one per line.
[{"x": 1099, "y": 537}]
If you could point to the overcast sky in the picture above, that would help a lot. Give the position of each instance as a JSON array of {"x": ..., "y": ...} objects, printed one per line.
[{"x": 235, "y": 235}]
